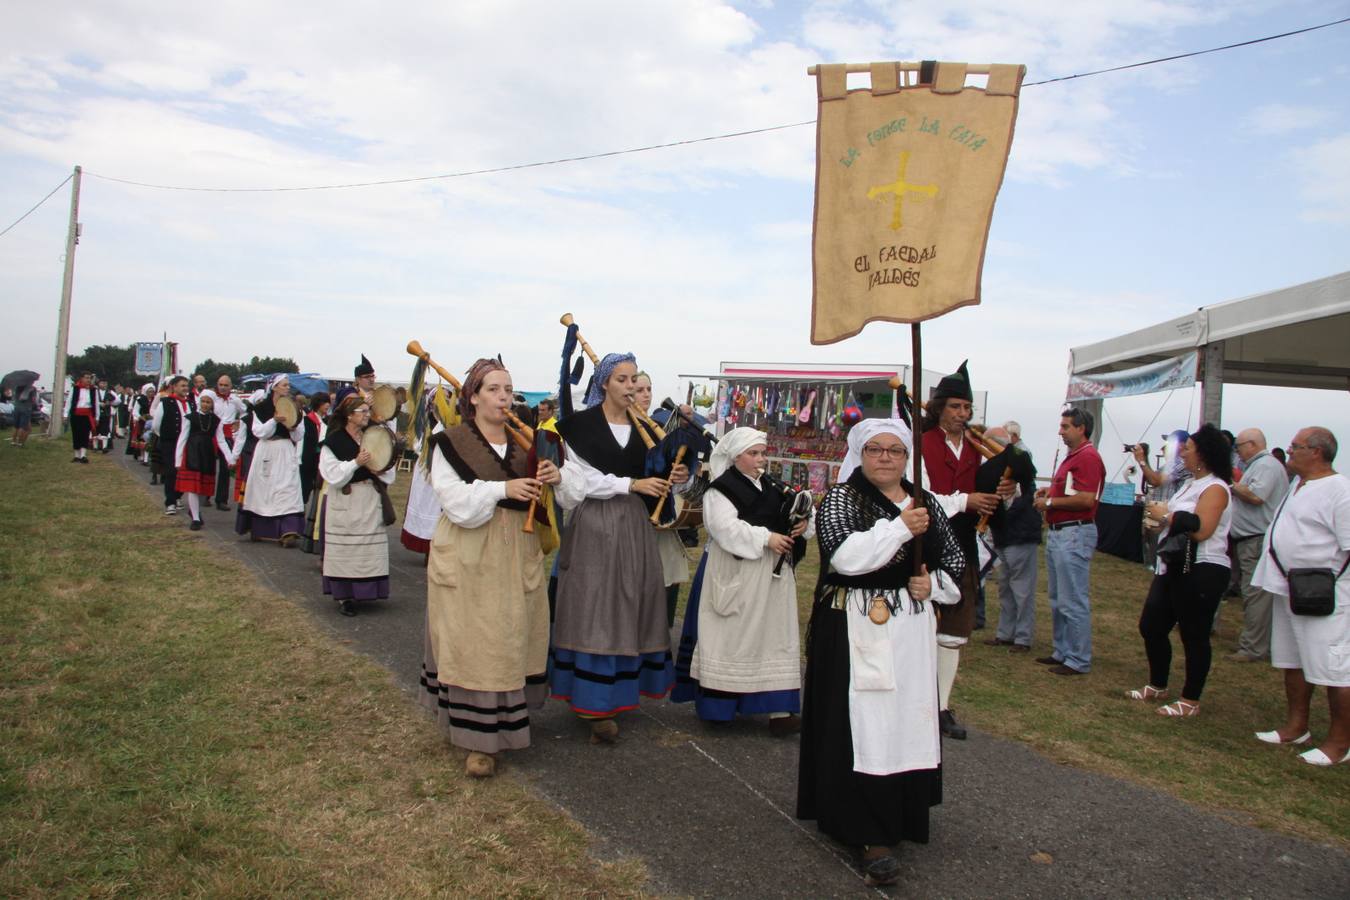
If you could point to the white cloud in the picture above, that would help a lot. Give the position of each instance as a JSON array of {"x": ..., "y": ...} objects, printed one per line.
[
  {"x": 1283, "y": 118},
  {"x": 1325, "y": 179}
]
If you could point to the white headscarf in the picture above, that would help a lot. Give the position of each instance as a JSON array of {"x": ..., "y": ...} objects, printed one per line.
[
  {"x": 863, "y": 432},
  {"x": 733, "y": 444},
  {"x": 272, "y": 381}
]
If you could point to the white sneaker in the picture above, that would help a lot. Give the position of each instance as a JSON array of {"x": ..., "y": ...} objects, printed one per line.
[{"x": 171, "y": 510}]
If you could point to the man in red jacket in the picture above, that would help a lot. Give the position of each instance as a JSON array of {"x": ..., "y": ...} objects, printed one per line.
[{"x": 950, "y": 461}]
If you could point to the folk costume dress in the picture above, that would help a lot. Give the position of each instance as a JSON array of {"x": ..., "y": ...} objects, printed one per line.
[
  {"x": 740, "y": 650},
  {"x": 196, "y": 452},
  {"x": 486, "y": 650},
  {"x": 140, "y": 423},
  {"x": 356, "y": 544},
  {"x": 272, "y": 508},
  {"x": 169, "y": 423},
  {"x": 610, "y": 638},
  {"x": 870, "y": 764},
  {"x": 317, "y": 497},
  {"x": 423, "y": 512}
]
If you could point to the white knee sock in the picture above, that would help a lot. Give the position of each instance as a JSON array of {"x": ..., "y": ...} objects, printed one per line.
[
  {"x": 79, "y": 454},
  {"x": 947, "y": 660},
  {"x": 194, "y": 506}
]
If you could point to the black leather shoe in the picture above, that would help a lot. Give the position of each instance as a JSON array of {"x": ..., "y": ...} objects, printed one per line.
[
  {"x": 1048, "y": 661},
  {"x": 878, "y": 867},
  {"x": 347, "y": 607},
  {"x": 196, "y": 525},
  {"x": 223, "y": 507},
  {"x": 1064, "y": 670},
  {"x": 949, "y": 727}
]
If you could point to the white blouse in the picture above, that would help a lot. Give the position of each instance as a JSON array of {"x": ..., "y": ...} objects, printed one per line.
[
  {"x": 337, "y": 472},
  {"x": 867, "y": 551},
  {"x": 468, "y": 504},
  {"x": 735, "y": 535}
]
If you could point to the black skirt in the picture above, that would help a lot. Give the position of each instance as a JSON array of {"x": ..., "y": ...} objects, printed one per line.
[{"x": 852, "y": 808}]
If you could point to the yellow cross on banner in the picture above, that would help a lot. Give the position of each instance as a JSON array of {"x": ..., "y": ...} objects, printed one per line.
[{"x": 899, "y": 188}]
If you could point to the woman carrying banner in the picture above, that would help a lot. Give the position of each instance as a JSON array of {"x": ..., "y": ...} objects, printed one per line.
[
  {"x": 610, "y": 638},
  {"x": 870, "y": 764},
  {"x": 486, "y": 650}
]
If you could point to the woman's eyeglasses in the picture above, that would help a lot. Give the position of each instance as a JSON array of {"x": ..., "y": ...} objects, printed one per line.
[{"x": 873, "y": 452}]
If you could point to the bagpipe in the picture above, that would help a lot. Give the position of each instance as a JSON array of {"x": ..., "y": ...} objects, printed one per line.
[
  {"x": 1009, "y": 462},
  {"x": 797, "y": 506},
  {"x": 520, "y": 433},
  {"x": 668, "y": 443}
]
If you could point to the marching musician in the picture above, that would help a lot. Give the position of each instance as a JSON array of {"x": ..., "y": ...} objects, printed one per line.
[
  {"x": 610, "y": 638},
  {"x": 870, "y": 764},
  {"x": 950, "y": 462},
  {"x": 356, "y": 547},
  {"x": 741, "y": 642},
  {"x": 674, "y": 562},
  {"x": 272, "y": 509},
  {"x": 82, "y": 413},
  {"x": 486, "y": 649}
]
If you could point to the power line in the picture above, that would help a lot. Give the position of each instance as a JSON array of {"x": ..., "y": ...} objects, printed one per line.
[
  {"x": 39, "y": 203},
  {"x": 650, "y": 147}
]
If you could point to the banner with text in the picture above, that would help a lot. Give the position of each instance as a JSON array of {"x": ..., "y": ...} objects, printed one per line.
[
  {"x": 906, "y": 177},
  {"x": 1160, "y": 376}
]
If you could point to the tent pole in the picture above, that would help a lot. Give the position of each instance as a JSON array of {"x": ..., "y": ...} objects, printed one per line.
[{"x": 1211, "y": 393}]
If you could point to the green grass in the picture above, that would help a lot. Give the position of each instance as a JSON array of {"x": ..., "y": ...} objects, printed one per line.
[{"x": 170, "y": 727}]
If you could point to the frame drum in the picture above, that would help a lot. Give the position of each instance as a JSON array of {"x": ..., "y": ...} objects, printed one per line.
[
  {"x": 380, "y": 442},
  {"x": 383, "y": 404},
  {"x": 286, "y": 412},
  {"x": 688, "y": 505}
]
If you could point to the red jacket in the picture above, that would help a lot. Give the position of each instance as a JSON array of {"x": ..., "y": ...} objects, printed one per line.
[{"x": 946, "y": 473}]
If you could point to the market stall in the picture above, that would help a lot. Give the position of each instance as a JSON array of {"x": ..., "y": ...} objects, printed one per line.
[{"x": 806, "y": 409}]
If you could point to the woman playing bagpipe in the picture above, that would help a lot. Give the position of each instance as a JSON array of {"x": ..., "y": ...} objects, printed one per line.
[
  {"x": 740, "y": 651},
  {"x": 272, "y": 509},
  {"x": 870, "y": 764},
  {"x": 356, "y": 547},
  {"x": 486, "y": 649},
  {"x": 610, "y": 638}
]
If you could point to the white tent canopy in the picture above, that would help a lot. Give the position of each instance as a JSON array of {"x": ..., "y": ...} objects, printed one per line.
[{"x": 1293, "y": 337}]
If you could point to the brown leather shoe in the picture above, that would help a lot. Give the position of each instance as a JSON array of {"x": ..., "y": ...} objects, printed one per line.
[
  {"x": 1020, "y": 648},
  {"x": 997, "y": 642},
  {"x": 1062, "y": 669},
  {"x": 1048, "y": 661},
  {"x": 480, "y": 765},
  {"x": 604, "y": 731}
]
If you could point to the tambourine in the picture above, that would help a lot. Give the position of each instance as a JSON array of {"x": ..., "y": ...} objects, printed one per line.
[
  {"x": 383, "y": 404},
  {"x": 379, "y": 441},
  {"x": 285, "y": 412}
]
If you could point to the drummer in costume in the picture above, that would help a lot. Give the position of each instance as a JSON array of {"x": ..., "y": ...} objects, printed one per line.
[
  {"x": 356, "y": 545},
  {"x": 169, "y": 424},
  {"x": 272, "y": 509},
  {"x": 610, "y": 638},
  {"x": 486, "y": 649},
  {"x": 82, "y": 414},
  {"x": 741, "y": 645},
  {"x": 950, "y": 463},
  {"x": 200, "y": 446},
  {"x": 870, "y": 764}
]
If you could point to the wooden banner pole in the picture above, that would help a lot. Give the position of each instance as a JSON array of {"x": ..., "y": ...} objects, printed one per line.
[{"x": 916, "y": 419}]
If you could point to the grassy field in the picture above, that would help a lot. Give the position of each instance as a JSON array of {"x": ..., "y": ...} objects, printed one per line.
[{"x": 169, "y": 727}]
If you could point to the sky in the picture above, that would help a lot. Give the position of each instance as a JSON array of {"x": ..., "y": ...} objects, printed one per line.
[{"x": 1130, "y": 197}]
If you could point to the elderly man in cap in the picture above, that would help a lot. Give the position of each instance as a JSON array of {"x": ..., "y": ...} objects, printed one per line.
[
  {"x": 1257, "y": 496},
  {"x": 950, "y": 463}
]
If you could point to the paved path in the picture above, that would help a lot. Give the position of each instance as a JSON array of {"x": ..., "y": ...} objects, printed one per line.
[{"x": 711, "y": 812}]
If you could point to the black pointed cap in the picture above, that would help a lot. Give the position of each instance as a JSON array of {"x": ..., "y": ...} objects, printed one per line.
[
  {"x": 955, "y": 385},
  {"x": 364, "y": 369}
]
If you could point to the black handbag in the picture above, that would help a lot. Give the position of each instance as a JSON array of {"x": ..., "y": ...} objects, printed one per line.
[
  {"x": 1178, "y": 550},
  {"x": 1312, "y": 589}
]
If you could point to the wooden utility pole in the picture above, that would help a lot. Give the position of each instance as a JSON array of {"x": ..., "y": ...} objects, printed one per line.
[{"x": 58, "y": 420}]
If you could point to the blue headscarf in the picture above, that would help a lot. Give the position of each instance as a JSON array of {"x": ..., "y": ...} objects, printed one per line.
[{"x": 596, "y": 394}]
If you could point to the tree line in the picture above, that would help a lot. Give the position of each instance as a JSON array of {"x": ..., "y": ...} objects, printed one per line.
[{"x": 118, "y": 365}]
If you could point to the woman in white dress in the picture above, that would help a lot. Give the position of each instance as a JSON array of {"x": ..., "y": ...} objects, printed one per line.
[{"x": 273, "y": 509}]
